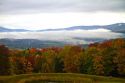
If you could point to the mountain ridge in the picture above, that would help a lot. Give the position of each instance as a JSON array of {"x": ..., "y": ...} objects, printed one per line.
[
  {"x": 3, "y": 29},
  {"x": 117, "y": 27}
]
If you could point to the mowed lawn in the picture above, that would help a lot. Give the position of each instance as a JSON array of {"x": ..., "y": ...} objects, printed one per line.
[{"x": 59, "y": 78}]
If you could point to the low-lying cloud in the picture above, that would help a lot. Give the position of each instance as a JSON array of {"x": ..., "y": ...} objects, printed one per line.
[{"x": 74, "y": 36}]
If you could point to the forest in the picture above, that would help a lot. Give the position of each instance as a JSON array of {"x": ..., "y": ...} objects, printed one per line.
[{"x": 106, "y": 59}]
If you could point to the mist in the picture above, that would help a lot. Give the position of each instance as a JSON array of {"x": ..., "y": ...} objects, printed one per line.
[{"x": 74, "y": 36}]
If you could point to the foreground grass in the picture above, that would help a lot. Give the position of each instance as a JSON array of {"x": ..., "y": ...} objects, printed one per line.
[{"x": 59, "y": 78}]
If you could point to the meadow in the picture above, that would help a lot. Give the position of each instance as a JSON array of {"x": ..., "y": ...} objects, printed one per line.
[{"x": 59, "y": 78}]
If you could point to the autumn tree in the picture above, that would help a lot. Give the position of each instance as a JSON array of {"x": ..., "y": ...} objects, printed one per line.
[
  {"x": 109, "y": 66},
  {"x": 88, "y": 59},
  {"x": 71, "y": 58},
  {"x": 53, "y": 61},
  {"x": 98, "y": 65},
  {"x": 5, "y": 65},
  {"x": 119, "y": 59},
  {"x": 29, "y": 67},
  {"x": 118, "y": 43},
  {"x": 39, "y": 64}
]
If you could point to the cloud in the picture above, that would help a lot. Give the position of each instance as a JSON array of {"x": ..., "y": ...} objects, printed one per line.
[
  {"x": 59, "y": 20},
  {"x": 33, "y": 6},
  {"x": 75, "y": 36}
]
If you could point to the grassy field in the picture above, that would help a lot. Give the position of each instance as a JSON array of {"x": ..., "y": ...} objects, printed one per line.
[{"x": 59, "y": 78}]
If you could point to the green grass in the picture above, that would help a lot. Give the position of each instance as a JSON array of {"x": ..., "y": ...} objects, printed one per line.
[{"x": 59, "y": 78}]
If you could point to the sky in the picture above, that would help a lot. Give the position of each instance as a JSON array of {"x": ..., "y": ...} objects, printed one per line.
[{"x": 49, "y": 14}]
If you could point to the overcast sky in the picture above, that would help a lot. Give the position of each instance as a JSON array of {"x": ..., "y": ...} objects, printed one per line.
[{"x": 43, "y": 14}]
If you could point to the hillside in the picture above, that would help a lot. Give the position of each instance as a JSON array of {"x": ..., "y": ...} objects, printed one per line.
[
  {"x": 118, "y": 27},
  {"x": 56, "y": 64},
  {"x": 29, "y": 43},
  {"x": 105, "y": 58}
]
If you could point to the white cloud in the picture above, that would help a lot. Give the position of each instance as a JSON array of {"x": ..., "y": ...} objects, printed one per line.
[
  {"x": 59, "y": 20},
  {"x": 66, "y": 36}
]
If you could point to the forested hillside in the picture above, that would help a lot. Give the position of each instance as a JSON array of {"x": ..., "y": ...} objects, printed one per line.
[{"x": 106, "y": 58}]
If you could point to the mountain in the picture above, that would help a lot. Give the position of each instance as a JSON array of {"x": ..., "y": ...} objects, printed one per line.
[
  {"x": 29, "y": 43},
  {"x": 2, "y": 29},
  {"x": 73, "y": 28},
  {"x": 118, "y": 27}
]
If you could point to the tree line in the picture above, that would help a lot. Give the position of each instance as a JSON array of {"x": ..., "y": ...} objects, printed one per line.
[{"x": 106, "y": 58}]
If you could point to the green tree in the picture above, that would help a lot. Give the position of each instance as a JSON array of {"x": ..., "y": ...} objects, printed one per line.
[
  {"x": 109, "y": 66},
  {"x": 89, "y": 54}
]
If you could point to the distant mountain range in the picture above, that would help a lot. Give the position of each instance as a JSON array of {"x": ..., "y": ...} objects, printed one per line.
[
  {"x": 29, "y": 43},
  {"x": 3, "y": 29},
  {"x": 118, "y": 27}
]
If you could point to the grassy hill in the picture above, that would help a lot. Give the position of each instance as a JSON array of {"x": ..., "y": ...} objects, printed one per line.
[{"x": 59, "y": 78}]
